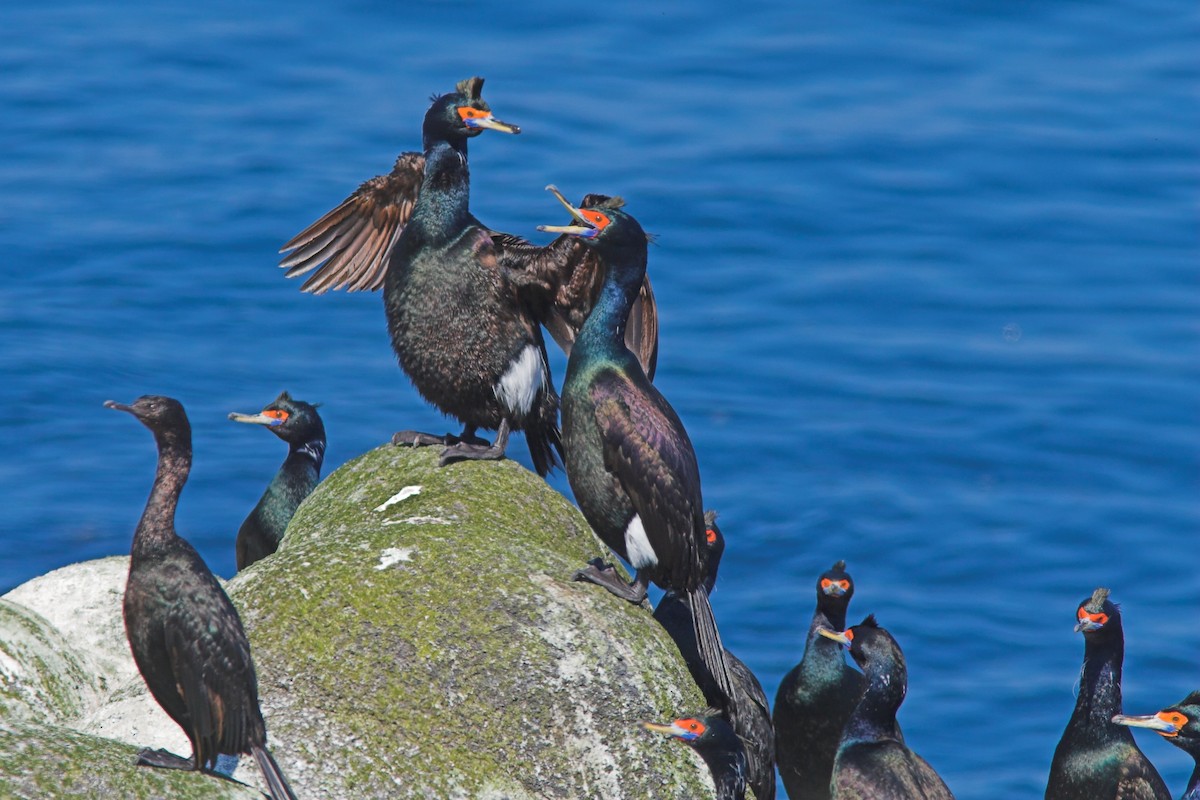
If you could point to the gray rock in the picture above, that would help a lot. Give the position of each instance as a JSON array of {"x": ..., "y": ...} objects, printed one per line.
[{"x": 417, "y": 635}]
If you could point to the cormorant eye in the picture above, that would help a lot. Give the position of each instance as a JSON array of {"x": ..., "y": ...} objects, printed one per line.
[{"x": 710, "y": 535}]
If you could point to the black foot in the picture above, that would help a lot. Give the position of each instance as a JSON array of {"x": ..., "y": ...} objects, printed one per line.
[
  {"x": 163, "y": 759},
  {"x": 606, "y": 575},
  {"x": 418, "y": 439},
  {"x": 464, "y": 451}
]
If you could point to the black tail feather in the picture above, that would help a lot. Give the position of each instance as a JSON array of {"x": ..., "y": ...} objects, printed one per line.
[
  {"x": 276, "y": 783},
  {"x": 712, "y": 652}
]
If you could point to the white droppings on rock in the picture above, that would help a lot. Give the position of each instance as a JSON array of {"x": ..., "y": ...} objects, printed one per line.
[
  {"x": 403, "y": 494},
  {"x": 394, "y": 555},
  {"x": 418, "y": 521}
]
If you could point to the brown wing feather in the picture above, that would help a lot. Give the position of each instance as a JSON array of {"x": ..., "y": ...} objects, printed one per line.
[
  {"x": 647, "y": 449},
  {"x": 349, "y": 246}
]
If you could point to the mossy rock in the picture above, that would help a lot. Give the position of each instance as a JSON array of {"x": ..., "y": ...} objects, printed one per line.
[
  {"x": 41, "y": 677},
  {"x": 435, "y": 646},
  {"x": 47, "y": 762}
]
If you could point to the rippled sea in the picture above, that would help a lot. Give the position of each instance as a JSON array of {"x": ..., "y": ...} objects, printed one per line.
[{"x": 927, "y": 276}]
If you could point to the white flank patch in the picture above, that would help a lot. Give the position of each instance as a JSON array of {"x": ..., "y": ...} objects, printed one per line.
[
  {"x": 520, "y": 384},
  {"x": 637, "y": 546},
  {"x": 403, "y": 494},
  {"x": 394, "y": 555}
]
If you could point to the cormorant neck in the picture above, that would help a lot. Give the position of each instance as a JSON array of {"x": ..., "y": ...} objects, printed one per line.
[
  {"x": 605, "y": 326},
  {"x": 312, "y": 450},
  {"x": 444, "y": 202},
  {"x": 728, "y": 768},
  {"x": 831, "y": 617},
  {"x": 1100, "y": 686},
  {"x": 874, "y": 717},
  {"x": 157, "y": 524},
  {"x": 1193, "y": 787}
]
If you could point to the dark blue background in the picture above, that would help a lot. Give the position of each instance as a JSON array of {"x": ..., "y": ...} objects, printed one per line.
[{"x": 927, "y": 277}]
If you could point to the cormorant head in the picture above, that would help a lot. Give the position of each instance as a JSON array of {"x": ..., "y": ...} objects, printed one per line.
[
  {"x": 162, "y": 415},
  {"x": 714, "y": 548},
  {"x": 601, "y": 224},
  {"x": 835, "y": 583},
  {"x": 294, "y": 421},
  {"x": 1098, "y": 617},
  {"x": 701, "y": 731},
  {"x": 463, "y": 113},
  {"x": 871, "y": 647},
  {"x": 1179, "y": 723}
]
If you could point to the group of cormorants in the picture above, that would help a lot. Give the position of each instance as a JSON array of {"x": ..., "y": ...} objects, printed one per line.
[{"x": 466, "y": 307}]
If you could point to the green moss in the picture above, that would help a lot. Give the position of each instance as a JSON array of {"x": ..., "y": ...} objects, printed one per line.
[
  {"x": 45, "y": 761},
  {"x": 40, "y": 676},
  {"x": 473, "y": 664}
]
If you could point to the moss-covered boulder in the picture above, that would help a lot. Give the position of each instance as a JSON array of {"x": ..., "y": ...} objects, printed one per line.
[{"x": 417, "y": 635}]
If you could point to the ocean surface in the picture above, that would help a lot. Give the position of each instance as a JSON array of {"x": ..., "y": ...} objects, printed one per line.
[{"x": 927, "y": 276}]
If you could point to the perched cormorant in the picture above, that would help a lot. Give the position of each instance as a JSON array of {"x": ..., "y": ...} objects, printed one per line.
[
  {"x": 1097, "y": 759},
  {"x": 298, "y": 424},
  {"x": 1180, "y": 725},
  {"x": 711, "y": 735},
  {"x": 185, "y": 634},
  {"x": 873, "y": 762},
  {"x": 463, "y": 302},
  {"x": 816, "y": 698},
  {"x": 753, "y": 718},
  {"x": 629, "y": 460}
]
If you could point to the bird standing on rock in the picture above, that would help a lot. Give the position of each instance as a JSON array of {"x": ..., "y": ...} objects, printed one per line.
[
  {"x": 873, "y": 762},
  {"x": 629, "y": 461},
  {"x": 752, "y": 721},
  {"x": 711, "y": 735},
  {"x": 298, "y": 424},
  {"x": 463, "y": 302},
  {"x": 1097, "y": 758},
  {"x": 816, "y": 698},
  {"x": 186, "y": 636},
  {"x": 1180, "y": 725}
]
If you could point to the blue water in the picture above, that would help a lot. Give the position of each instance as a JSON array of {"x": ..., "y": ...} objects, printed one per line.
[{"x": 927, "y": 276}]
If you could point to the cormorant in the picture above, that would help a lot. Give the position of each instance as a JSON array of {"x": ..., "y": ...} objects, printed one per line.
[
  {"x": 298, "y": 424},
  {"x": 753, "y": 718},
  {"x": 185, "y": 634},
  {"x": 1097, "y": 759},
  {"x": 1180, "y": 725},
  {"x": 629, "y": 461},
  {"x": 711, "y": 735},
  {"x": 816, "y": 698},
  {"x": 872, "y": 759},
  {"x": 463, "y": 302}
]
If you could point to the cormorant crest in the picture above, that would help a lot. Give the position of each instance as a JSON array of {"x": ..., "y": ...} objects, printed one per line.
[
  {"x": 839, "y": 566},
  {"x": 283, "y": 397},
  {"x": 710, "y": 517},
  {"x": 471, "y": 87},
  {"x": 1096, "y": 604},
  {"x": 869, "y": 622}
]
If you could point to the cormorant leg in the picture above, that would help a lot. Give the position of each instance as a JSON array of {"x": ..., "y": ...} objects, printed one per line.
[
  {"x": 606, "y": 575},
  {"x": 468, "y": 436},
  {"x": 467, "y": 451},
  {"x": 163, "y": 759}
]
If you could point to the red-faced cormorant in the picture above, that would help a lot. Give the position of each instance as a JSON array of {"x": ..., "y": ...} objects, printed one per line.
[
  {"x": 817, "y": 696},
  {"x": 186, "y": 636},
  {"x": 872, "y": 759},
  {"x": 753, "y": 718},
  {"x": 1180, "y": 725},
  {"x": 1097, "y": 759},
  {"x": 463, "y": 302},
  {"x": 298, "y": 424},
  {"x": 710, "y": 735},
  {"x": 629, "y": 461}
]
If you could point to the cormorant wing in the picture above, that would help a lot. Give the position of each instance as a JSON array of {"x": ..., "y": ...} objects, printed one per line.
[
  {"x": 350, "y": 246},
  {"x": 646, "y": 447},
  {"x": 569, "y": 275},
  {"x": 214, "y": 673},
  {"x": 1140, "y": 781}
]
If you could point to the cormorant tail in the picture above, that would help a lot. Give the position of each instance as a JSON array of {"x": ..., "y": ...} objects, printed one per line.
[
  {"x": 544, "y": 437},
  {"x": 276, "y": 783},
  {"x": 712, "y": 652}
]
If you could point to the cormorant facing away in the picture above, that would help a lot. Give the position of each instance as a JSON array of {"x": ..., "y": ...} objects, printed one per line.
[
  {"x": 1180, "y": 725},
  {"x": 463, "y": 302},
  {"x": 872, "y": 759},
  {"x": 186, "y": 636},
  {"x": 711, "y": 735},
  {"x": 753, "y": 718},
  {"x": 629, "y": 460},
  {"x": 816, "y": 698},
  {"x": 1097, "y": 758},
  {"x": 298, "y": 424}
]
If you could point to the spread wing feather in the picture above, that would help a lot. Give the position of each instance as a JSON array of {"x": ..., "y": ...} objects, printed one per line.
[{"x": 349, "y": 247}]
